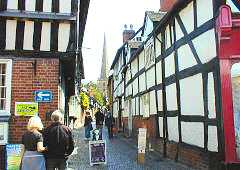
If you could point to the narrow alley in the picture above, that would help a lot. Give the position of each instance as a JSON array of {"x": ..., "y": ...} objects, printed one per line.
[{"x": 121, "y": 155}]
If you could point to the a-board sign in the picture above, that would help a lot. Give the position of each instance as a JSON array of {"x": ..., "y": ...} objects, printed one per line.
[
  {"x": 97, "y": 152},
  {"x": 14, "y": 154},
  {"x": 142, "y": 139}
]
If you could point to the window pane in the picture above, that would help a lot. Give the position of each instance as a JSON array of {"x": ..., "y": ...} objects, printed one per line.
[
  {"x": 2, "y": 104},
  {"x": 2, "y": 80},
  {"x": 2, "y": 92},
  {"x": 2, "y": 68}
]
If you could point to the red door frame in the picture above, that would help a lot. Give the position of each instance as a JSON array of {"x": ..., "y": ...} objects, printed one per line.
[{"x": 228, "y": 29}]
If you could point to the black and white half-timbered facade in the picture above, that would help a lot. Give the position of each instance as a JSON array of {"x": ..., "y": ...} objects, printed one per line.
[
  {"x": 172, "y": 84},
  {"x": 40, "y": 49}
]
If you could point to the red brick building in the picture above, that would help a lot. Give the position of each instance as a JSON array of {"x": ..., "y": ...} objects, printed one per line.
[{"x": 40, "y": 61}]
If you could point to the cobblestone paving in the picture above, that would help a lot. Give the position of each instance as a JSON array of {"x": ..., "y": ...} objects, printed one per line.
[{"x": 121, "y": 155}]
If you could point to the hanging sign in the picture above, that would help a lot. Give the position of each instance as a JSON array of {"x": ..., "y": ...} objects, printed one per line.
[
  {"x": 26, "y": 108},
  {"x": 14, "y": 154},
  {"x": 97, "y": 152}
]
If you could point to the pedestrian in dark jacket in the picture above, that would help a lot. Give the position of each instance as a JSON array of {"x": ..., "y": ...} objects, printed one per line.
[
  {"x": 109, "y": 124},
  {"x": 88, "y": 125},
  {"x": 59, "y": 141},
  {"x": 99, "y": 122}
]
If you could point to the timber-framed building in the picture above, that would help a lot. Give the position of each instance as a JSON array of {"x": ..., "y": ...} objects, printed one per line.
[{"x": 182, "y": 83}]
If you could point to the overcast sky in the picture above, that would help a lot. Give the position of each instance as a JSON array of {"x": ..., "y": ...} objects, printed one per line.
[{"x": 109, "y": 16}]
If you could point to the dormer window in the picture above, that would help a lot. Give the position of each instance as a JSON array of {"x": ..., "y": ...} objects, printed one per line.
[{"x": 166, "y": 5}]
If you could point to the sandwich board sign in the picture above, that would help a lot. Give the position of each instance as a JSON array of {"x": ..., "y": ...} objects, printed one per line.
[
  {"x": 14, "y": 154},
  {"x": 97, "y": 152}
]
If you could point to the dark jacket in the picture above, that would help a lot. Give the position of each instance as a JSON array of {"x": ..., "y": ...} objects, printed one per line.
[
  {"x": 59, "y": 141},
  {"x": 88, "y": 120},
  {"x": 109, "y": 120},
  {"x": 99, "y": 118}
]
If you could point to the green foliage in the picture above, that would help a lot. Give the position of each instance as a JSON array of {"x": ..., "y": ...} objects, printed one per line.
[
  {"x": 97, "y": 94},
  {"x": 84, "y": 100}
]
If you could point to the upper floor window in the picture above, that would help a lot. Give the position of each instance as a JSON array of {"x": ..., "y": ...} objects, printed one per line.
[{"x": 5, "y": 86}]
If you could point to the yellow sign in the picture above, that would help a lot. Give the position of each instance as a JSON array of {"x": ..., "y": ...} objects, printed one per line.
[{"x": 26, "y": 108}]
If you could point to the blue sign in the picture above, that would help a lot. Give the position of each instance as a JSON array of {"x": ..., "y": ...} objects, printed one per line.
[{"x": 43, "y": 96}]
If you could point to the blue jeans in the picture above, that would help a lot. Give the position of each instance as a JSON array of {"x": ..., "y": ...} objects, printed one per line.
[{"x": 87, "y": 131}]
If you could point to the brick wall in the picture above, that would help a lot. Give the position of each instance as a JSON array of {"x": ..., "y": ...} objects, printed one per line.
[{"x": 28, "y": 76}]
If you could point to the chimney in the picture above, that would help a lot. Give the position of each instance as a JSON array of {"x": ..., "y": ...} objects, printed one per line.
[
  {"x": 166, "y": 5},
  {"x": 128, "y": 33}
]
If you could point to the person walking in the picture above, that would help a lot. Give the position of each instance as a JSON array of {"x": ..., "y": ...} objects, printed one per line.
[
  {"x": 109, "y": 123},
  {"x": 99, "y": 122},
  {"x": 88, "y": 125},
  {"x": 59, "y": 141},
  {"x": 33, "y": 145}
]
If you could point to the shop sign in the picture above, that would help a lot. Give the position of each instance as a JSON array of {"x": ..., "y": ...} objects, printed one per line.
[{"x": 26, "y": 108}]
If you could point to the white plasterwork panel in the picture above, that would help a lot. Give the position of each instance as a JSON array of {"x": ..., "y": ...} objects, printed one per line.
[
  {"x": 63, "y": 36},
  {"x": 159, "y": 72},
  {"x": 46, "y": 36},
  {"x": 187, "y": 17},
  {"x": 179, "y": 33},
  {"x": 142, "y": 82},
  {"x": 134, "y": 66},
  {"x": 169, "y": 65},
  {"x": 153, "y": 107},
  {"x": 205, "y": 51},
  {"x": 160, "y": 126},
  {"x": 47, "y": 5},
  {"x": 11, "y": 34},
  {"x": 30, "y": 5},
  {"x": 191, "y": 91},
  {"x": 193, "y": 133},
  {"x": 171, "y": 97},
  {"x": 150, "y": 77},
  {"x": 141, "y": 60},
  {"x": 211, "y": 97},
  {"x": 167, "y": 37},
  {"x": 212, "y": 139},
  {"x": 160, "y": 100},
  {"x": 172, "y": 124},
  {"x": 185, "y": 57},
  {"x": 135, "y": 86},
  {"x": 207, "y": 7},
  {"x": 65, "y": 6},
  {"x": 28, "y": 35},
  {"x": 137, "y": 105},
  {"x": 12, "y": 4},
  {"x": 133, "y": 107}
]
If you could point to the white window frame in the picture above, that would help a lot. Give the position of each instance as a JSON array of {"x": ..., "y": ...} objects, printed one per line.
[{"x": 8, "y": 63}]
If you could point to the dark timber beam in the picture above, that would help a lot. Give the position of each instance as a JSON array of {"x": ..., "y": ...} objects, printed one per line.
[{"x": 38, "y": 16}]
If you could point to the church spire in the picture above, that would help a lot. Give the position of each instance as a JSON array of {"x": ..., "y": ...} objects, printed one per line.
[{"x": 103, "y": 75}]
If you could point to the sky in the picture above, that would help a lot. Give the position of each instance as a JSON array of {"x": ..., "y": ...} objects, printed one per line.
[{"x": 109, "y": 17}]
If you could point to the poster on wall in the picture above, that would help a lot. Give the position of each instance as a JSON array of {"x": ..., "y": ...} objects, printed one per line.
[
  {"x": 26, "y": 108},
  {"x": 14, "y": 154},
  {"x": 97, "y": 152}
]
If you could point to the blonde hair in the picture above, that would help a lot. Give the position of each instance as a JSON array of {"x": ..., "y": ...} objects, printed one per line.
[
  {"x": 34, "y": 123},
  {"x": 57, "y": 116}
]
